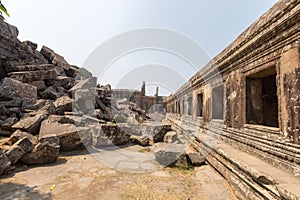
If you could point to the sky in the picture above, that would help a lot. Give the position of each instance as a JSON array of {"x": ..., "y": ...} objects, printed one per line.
[{"x": 75, "y": 29}]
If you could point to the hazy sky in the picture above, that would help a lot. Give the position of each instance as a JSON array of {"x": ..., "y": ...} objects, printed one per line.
[{"x": 76, "y": 28}]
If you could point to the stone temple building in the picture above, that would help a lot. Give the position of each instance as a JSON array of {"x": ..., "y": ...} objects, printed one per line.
[
  {"x": 153, "y": 103},
  {"x": 245, "y": 104}
]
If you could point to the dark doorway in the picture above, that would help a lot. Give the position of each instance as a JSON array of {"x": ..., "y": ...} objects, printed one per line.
[
  {"x": 262, "y": 100},
  {"x": 190, "y": 104},
  {"x": 199, "y": 105},
  {"x": 218, "y": 102}
]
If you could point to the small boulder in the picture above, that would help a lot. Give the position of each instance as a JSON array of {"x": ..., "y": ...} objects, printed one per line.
[
  {"x": 45, "y": 152},
  {"x": 19, "y": 149},
  {"x": 196, "y": 159}
]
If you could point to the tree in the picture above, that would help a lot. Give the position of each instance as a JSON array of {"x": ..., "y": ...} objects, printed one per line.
[{"x": 3, "y": 9}]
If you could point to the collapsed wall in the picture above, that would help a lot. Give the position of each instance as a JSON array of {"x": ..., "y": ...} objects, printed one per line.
[{"x": 48, "y": 105}]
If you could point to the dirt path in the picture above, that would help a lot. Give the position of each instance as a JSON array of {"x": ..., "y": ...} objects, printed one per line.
[{"x": 80, "y": 176}]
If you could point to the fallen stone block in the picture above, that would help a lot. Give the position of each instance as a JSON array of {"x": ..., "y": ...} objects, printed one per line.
[
  {"x": 63, "y": 104},
  {"x": 8, "y": 123},
  {"x": 19, "y": 149},
  {"x": 30, "y": 76},
  {"x": 18, "y": 135},
  {"x": 28, "y": 68},
  {"x": 45, "y": 152},
  {"x": 67, "y": 134},
  {"x": 72, "y": 71},
  {"x": 53, "y": 93},
  {"x": 16, "y": 90},
  {"x": 84, "y": 84},
  {"x": 168, "y": 154},
  {"x": 40, "y": 85},
  {"x": 5, "y": 163},
  {"x": 63, "y": 81},
  {"x": 110, "y": 134},
  {"x": 54, "y": 58},
  {"x": 29, "y": 124},
  {"x": 140, "y": 140},
  {"x": 196, "y": 159}
]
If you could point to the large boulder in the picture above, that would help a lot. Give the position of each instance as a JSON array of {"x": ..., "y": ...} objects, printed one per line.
[
  {"x": 5, "y": 163},
  {"x": 29, "y": 124},
  {"x": 45, "y": 152},
  {"x": 69, "y": 138},
  {"x": 15, "y": 90},
  {"x": 19, "y": 149}
]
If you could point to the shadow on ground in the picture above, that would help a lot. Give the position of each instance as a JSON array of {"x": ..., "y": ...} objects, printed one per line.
[{"x": 10, "y": 191}]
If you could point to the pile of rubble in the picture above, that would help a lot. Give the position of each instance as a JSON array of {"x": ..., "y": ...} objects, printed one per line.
[{"x": 48, "y": 106}]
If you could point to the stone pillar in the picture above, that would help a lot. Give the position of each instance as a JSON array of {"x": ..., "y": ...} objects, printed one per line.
[
  {"x": 289, "y": 91},
  {"x": 235, "y": 103},
  {"x": 143, "y": 89}
]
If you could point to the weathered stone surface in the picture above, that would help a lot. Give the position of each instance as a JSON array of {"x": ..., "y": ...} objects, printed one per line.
[
  {"x": 45, "y": 152},
  {"x": 159, "y": 132},
  {"x": 28, "y": 68},
  {"x": 170, "y": 137},
  {"x": 18, "y": 135},
  {"x": 47, "y": 108},
  {"x": 84, "y": 101},
  {"x": 8, "y": 123},
  {"x": 40, "y": 85},
  {"x": 110, "y": 134},
  {"x": 140, "y": 140},
  {"x": 72, "y": 71},
  {"x": 168, "y": 154},
  {"x": 63, "y": 104},
  {"x": 67, "y": 133},
  {"x": 196, "y": 159},
  {"x": 53, "y": 93},
  {"x": 30, "y": 76},
  {"x": 54, "y": 58},
  {"x": 19, "y": 149},
  {"x": 5, "y": 163},
  {"x": 15, "y": 90},
  {"x": 29, "y": 124},
  {"x": 63, "y": 81},
  {"x": 84, "y": 84}
]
